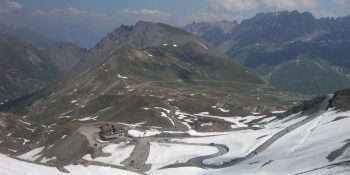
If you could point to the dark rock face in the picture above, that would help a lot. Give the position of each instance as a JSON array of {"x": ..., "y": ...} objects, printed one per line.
[
  {"x": 307, "y": 107},
  {"x": 341, "y": 100},
  {"x": 69, "y": 149}
]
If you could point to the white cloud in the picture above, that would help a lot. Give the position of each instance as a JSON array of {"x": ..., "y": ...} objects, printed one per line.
[
  {"x": 75, "y": 11},
  {"x": 289, "y": 4},
  {"x": 9, "y": 6},
  {"x": 148, "y": 12},
  {"x": 234, "y": 5},
  {"x": 70, "y": 11},
  {"x": 342, "y": 3}
]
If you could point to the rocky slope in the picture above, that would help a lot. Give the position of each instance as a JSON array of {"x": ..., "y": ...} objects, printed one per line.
[
  {"x": 65, "y": 55},
  {"x": 341, "y": 100},
  {"x": 24, "y": 68}
]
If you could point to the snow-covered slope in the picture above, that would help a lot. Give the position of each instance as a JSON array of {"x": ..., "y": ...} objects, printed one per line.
[{"x": 320, "y": 146}]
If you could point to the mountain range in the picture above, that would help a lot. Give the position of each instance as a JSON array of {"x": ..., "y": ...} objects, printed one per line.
[
  {"x": 130, "y": 73},
  {"x": 293, "y": 51},
  {"x": 26, "y": 68}
]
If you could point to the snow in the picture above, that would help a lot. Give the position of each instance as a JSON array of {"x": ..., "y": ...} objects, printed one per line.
[
  {"x": 223, "y": 110},
  {"x": 32, "y": 155},
  {"x": 25, "y": 141},
  {"x": 207, "y": 124},
  {"x": 66, "y": 112},
  {"x": 44, "y": 160},
  {"x": 119, "y": 152},
  {"x": 165, "y": 115},
  {"x": 146, "y": 133},
  {"x": 122, "y": 77},
  {"x": 24, "y": 122},
  {"x": 11, "y": 166},
  {"x": 66, "y": 116},
  {"x": 72, "y": 92},
  {"x": 88, "y": 118},
  {"x": 202, "y": 45},
  {"x": 276, "y": 112},
  {"x": 73, "y": 101},
  {"x": 165, "y": 44},
  {"x": 162, "y": 154},
  {"x": 175, "y": 45}
]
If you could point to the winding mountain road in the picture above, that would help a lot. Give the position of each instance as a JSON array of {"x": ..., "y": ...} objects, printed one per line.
[{"x": 265, "y": 145}]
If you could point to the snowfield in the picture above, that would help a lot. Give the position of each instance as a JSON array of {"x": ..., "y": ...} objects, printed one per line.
[
  {"x": 162, "y": 154},
  {"x": 306, "y": 149},
  {"x": 119, "y": 152}
]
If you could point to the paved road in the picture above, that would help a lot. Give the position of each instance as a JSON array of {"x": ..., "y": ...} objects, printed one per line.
[
  {"x": 139, "y": 155},
  {"x": 264, "y": 146},
  {"x": 178, "y": 126}
]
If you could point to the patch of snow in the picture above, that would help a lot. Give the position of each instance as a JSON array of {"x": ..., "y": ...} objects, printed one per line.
[
  {"x": 32, "y": 155},
  {"x": 207, "y": 124},
  {"x": 25, "y": 141},
  {"x": 162, "y": 154},
  {"x": 276, "y": 112},
  {"x": 175, "y": 45},
  {"x": 122, "y": 77},
  {"x": 88, "y": 118},
  {"x": 73, "y": 101},
  {"x": 24, "y": 122},
  {"x": 146, "y": 133},
  {"x": 44, "y": 160},
  {"x": 66, "y": 116},
  {"x": 63, "y": 136},
  {"x": 165, "y": 44},
  {"x": 213, "y": 107},
  {"x": 51, "y": 125},
  {"x": 223, "y": 110},
  {"x": 202, "y": 45},
  {"x": 119, "y": 152},
  {"x": 67, "y": 112},
  {"x": 72, "y": 92}
]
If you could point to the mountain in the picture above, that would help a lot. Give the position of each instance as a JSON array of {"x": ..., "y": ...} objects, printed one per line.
[
  {"x": 24, "y": 68},
  {"x": 210, "y": 31},
  {"x": 128, "y": 76},
  {"x": 65, "y": 55},
  {"x": 27, "y": 35},
  {"x": 292, "y": 51}
]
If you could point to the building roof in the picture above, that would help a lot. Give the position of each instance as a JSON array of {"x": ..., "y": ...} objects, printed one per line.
[
  {"x": 106, "y": 128},
  {"x": 110, "y": 136},
  {"x": 118, "y": 126}
]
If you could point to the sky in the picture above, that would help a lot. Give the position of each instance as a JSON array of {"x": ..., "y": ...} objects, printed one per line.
[{"x": 174, "y": 12}]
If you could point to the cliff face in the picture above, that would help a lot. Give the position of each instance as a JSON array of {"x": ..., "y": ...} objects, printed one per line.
[{"x": 341, "y": 100}]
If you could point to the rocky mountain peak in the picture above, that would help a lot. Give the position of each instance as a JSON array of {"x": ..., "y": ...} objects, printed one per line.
[{"x": 142, "y": 35}]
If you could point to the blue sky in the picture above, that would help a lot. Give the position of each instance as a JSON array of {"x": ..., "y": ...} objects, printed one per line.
[{"x": 113, "y": 13}]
